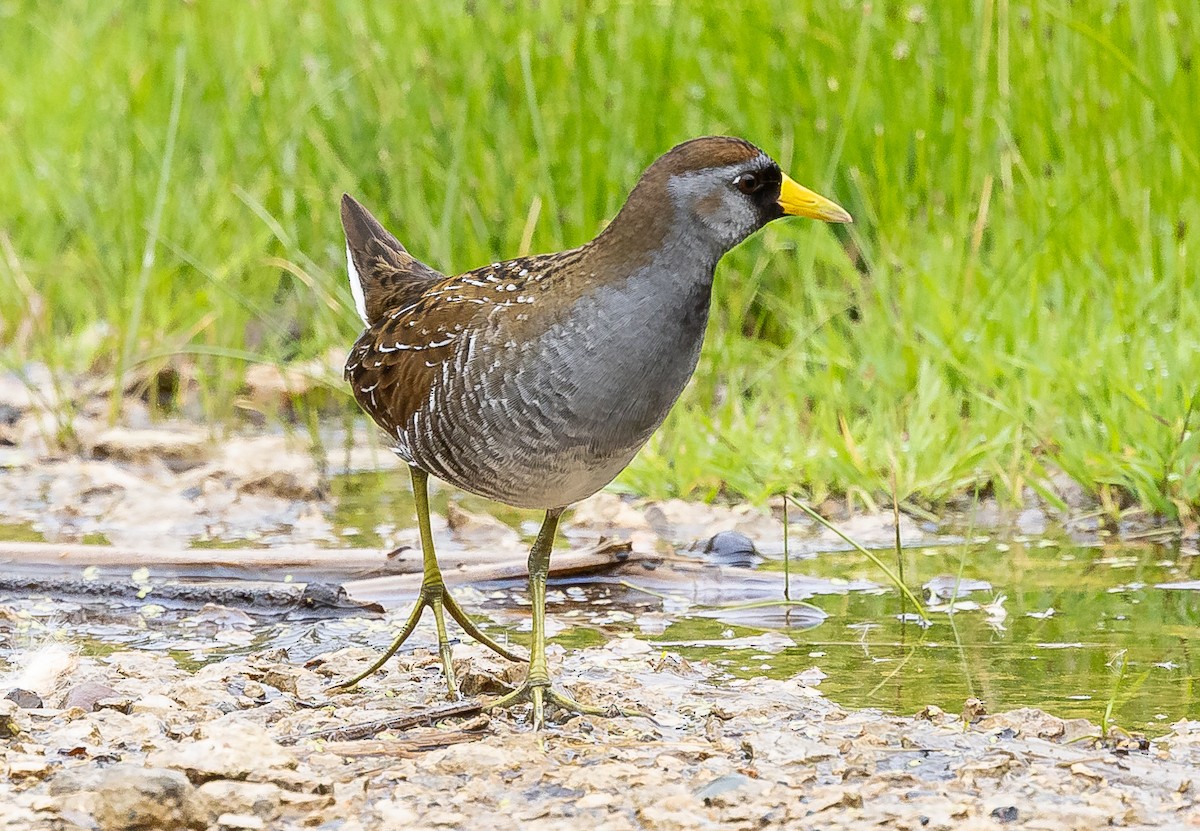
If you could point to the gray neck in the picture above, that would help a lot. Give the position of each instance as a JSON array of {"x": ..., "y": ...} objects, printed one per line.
[
  {"x": 689, "y": 254},
  {"x": 638, "y": 342},
  {"x": 677, "y": 285}
]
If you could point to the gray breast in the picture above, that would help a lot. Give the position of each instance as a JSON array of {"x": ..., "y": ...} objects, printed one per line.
[{"x": 548, "y": 422}]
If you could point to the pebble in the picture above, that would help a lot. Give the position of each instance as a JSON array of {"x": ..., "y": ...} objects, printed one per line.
[
  {"x": 225, "y": 796},
  {"x": 595, "y": 799},
  {"x": 86, "y": 696},
  {"x": 126, "y": 796},
  {"x": 732, "y": 548},
  {"x": 10, "y": 722},
  {"x": 153, "y": 703},
  {"x": 629, "y": 647},
  {"x": 229, "y": 750},
  {"x": 25, "y": 699}
]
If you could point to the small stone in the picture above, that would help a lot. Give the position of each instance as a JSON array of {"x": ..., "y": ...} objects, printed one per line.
[
  {"x": 722, "y": 785},
  {"x": 224, "y": 796},
  {"x": 270, "y": 386},
  {"x": 732, "y": 548},
  {"x": 306, "y": 802},
  {"x": 254, "y": 690},
  {"x": 479, "y": 678},
  {"x": 595, "y": 799},
  {"x": 628, "y": 647},
  {"x": 973, "y": 710},
  {"x": 464, "y": 758},
  {"x": 78, "y": 779},
  {"x": 1027, "y": 722},
  {"x": 1077, "y": 497},
  {"x": 233, "y": 750},
  {"x": 222, "y": 617},
  {"x": 479, "y": 530},
  {"x": 10, "y": 726},
  {"x": 9, "y": 415},
  {"x": 395, "y": 814},
  {"x": 132, "y": 798},
  {"x": 87, "y": 695},
  {"x": 154, "y": 704},
  {"x": 193, "y": 694},
  {"x": 120, "y": 703},
  {"x": 283, "y": 679},
  {"x": 239, "y": 822},
  {"x": 25, "y": 699},
  {"x": 26, "y": 767},
  {"x": 1005, "y": 814}
]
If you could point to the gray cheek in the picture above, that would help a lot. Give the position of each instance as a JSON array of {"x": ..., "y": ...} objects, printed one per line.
[
  {"x": 737, "y": 220},
  {"x": 723, "y": 221}
]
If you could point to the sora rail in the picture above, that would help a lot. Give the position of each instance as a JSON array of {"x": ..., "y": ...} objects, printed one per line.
[{"x": 534, "y": 381}]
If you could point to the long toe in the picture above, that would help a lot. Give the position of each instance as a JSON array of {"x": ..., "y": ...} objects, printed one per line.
[
  {"x": 436, "y": 603},
  {"x": 471, "y": 628},
  {"x": 405, "y": 633},
  {"x": 539, "y": 695}
]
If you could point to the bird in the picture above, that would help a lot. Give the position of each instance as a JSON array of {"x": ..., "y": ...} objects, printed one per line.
[{"x": 534, "y": 381}]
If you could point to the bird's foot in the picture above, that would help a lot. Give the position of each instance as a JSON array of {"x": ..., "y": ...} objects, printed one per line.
[
  {"x": 540, "y": 693},
  {"x": 435, "y": 597}
]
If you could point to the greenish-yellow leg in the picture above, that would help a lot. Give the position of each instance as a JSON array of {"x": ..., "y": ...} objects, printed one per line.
[
  {"x": 537, "y": 689},
  {"x": 434, "y": 596}
]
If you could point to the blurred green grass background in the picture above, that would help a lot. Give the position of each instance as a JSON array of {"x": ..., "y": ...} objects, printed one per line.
[{"x": 1017, "y": 297}]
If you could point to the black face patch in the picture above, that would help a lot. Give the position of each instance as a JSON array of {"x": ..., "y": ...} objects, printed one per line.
[{"x": 761, "y": 186}]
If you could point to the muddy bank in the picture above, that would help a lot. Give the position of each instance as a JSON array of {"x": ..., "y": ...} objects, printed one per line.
[
  {"x": 175, "y": 702},
  {"x": 134, "y": 740}
]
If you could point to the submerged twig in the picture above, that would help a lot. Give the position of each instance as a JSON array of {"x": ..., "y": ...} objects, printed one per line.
[
  {"x": 644, "y": 590},
  {"x": 366, "y": 730},
  {"x": 738, "y": 606},
  {"x": 404, "y": 748},
  {"x": 767, "y": 604}
]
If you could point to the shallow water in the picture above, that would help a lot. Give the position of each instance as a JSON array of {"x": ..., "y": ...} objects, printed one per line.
[
  {"x": 1083, "y": 626},
  {"x": 1079, "y": 630}
]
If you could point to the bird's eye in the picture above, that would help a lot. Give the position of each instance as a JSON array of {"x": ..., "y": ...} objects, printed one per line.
[{"x": 748, "y": 183}]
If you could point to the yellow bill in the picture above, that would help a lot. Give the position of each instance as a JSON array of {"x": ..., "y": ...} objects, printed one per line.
[{"x": 797, "y": 200}]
